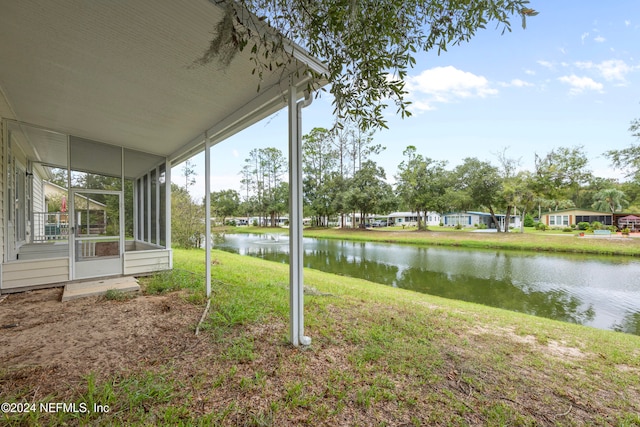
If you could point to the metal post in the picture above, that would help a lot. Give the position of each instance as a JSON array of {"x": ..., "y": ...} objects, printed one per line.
[
  {"x": 135, "y": 209},
  {"x": 167, "y": 209},
  {"x": 296, "y": 250},
  {"x": 295, "y": 275},
  {"x": 157, "y": 206},
  {"x": 71, "y": 221},
  {"x": 121, "y": 202},
  {"x": 142, "y": 200},
  {"x": 148, "y": 207},
  {"x": 207, "y": 210}
]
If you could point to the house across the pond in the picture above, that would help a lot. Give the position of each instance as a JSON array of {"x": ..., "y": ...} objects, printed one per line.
[
  {"x": 632, "y": 222},
  {"x": 475, "y": 219},
  {"x": 569, "y": 217},
  {"x": 411, "y": 218},
  {"x": 573, "y": 217}
]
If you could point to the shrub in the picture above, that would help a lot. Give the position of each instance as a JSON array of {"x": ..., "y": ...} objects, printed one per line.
[
  {"x": 567, "y": 229},
  {"x": 583, "y": 225},
  {"x": 458, "y": 227},
  {"x": 540, "y": 226},
  {"x": 596, "y": 225},
  {"x": 482, "y": 226},
  {"x": 528, "y": 221},
  {"x": 441, "y": 224}
]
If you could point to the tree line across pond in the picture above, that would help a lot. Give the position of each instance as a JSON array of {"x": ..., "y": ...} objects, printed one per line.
[{"x": 341, "y": 177}]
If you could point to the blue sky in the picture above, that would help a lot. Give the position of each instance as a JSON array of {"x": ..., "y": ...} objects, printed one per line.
[{"x": 571, "y": 78}]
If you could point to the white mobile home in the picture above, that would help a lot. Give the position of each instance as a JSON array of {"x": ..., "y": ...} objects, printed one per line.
[
  {"x": 411, "y": 218},
  {"x": 474, "y": 219},
  {"x": 107, "y": 93}
]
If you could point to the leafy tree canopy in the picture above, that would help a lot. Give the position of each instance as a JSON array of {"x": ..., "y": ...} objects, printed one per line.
[
  {"x": 628, "y": 158},
  {"x": 367, "y": 46},
  {"x": 610, "y": 199}
]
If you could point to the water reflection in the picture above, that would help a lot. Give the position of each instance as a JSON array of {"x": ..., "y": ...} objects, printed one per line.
[
  {"x": 554, "y": 304},
  {"x": 597, "y": 291},
  {"x": 630, "y": 324}
]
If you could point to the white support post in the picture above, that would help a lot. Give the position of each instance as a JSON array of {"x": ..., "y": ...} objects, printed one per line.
[
  {"x": 294, "y": 255},
  {"x": 157, "y": 206},
  {"x": 121, "y": 202},
  {"x": 296, "y": 250},
  {"x": 71, "y": 221},
  {"x": 148, "y": 209},
  {"x": 143, "y": 203},
  {"x": 167, "y": 209},
  {"x": 135, "y": 209},
  {"x": 207, "y": 210}
]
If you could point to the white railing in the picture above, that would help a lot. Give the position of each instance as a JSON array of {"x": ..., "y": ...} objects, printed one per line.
[{"x": 50, "y": 226}]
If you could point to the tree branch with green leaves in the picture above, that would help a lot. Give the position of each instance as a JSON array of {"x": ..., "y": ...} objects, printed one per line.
[{"x": 368, "y": 46}]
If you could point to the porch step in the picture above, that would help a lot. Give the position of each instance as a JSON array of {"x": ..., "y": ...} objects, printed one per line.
[{"x": 99, "y": 287}]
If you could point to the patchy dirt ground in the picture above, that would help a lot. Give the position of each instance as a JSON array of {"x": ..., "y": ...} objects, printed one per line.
[
  {"x": 44, "y": 341},
  {"x": 252, "y": 377}
]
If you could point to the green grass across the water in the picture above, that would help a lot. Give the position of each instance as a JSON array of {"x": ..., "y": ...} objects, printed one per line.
[{"x": 549, "y": 241}]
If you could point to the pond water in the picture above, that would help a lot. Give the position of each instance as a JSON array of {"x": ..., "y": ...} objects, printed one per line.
[{"x": 603, "y": 292}]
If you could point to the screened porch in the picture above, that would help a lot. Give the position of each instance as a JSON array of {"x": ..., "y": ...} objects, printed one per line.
[{"x": 82, "y": 209}]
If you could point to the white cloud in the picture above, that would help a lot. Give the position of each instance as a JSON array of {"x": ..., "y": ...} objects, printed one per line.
[
  {"x": 627, "y": 23},
  {"x": 235, "y": 153},
  {"x": 599, "y": 39},
  {"x": 583, "y": 37},
  {"x": 516, "y": 83},
  {"x": 546, "y": 64},
  {"x": 611, "y": 70},
  {"x": 584, "y": 64},
  {"x": 580, "y": 84},
  {"x": 614, "y": 69},
  {"x": 530, "y": 72},
  {"x": 445, "y": 85}
]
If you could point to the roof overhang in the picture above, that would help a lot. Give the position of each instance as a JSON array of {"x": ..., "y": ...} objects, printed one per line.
[{"x": 123, "y": 73}]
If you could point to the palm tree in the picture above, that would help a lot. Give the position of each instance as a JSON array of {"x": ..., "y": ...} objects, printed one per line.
[{"x": 610, "y": 199}]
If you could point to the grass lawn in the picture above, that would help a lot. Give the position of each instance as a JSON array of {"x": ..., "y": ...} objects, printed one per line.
[{"x": 379, "y": 356}]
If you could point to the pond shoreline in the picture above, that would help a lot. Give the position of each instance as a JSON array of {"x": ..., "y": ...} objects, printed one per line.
[
  {"x": 571, "y": 287},
  {"x": 533, "y": 242}
]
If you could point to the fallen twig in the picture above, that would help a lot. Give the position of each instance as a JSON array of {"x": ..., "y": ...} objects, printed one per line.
[
  {"x": 565, "y": 413},
  {"x": 204, "y": 314}
]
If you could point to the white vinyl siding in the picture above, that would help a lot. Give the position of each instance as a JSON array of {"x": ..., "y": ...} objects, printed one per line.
[
  {"x": 140, "y": 262},
  {"x": 37, "y": 206},
  {"x": 26, "y": 274}
]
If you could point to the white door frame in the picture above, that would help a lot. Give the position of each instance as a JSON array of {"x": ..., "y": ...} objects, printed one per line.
[{"x": 100, "y": 266}]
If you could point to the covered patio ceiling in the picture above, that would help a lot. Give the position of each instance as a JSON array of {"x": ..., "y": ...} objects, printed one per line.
[{"x": 122, "y": 72}]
